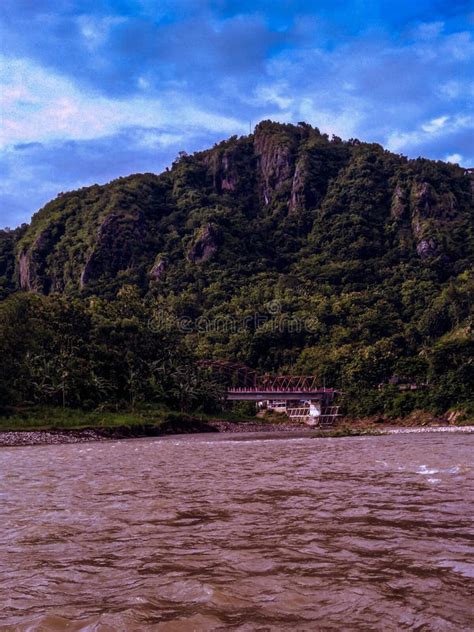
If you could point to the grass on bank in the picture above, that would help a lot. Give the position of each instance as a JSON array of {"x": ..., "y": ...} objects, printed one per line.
[
  {"x": 143, "y": 420},
  {"x": 148, "y": 417}
]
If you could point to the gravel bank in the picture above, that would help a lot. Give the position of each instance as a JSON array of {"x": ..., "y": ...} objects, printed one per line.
[
  {"x": 235, "y": 426},
  {"x": 51, "y": 437},
  {"x": 467, "y": 429},
  {"x": 42, "y": 437},
  {"x": 39, "y": 437}
]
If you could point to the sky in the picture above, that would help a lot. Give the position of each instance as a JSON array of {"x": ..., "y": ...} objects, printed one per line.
[{"x": 95, "y": 89}]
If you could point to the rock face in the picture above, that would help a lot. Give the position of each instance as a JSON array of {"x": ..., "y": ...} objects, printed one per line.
[
  {"x": 423, "y": 199},
  {"x": 32, "y": 264},
  {"x": 117, "y": 243},
  {"x": 27, "y": 272},
  {"x": 400, "y": 202},
  {"x": 426, "y": 211},
  {"x": 205, "y": 244},
  {"x": 430, "y": 213},
  {"x": 159, "y": 268},
  {"x": 223, "y": 170},
  {"x": 229, "y": 179},
  {"x": 427, "y": 248},
  {"x": 298, "y": 197},
  {"x": 276, "y": 161}
]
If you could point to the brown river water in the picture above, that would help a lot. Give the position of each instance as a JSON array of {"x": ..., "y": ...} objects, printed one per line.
[{"x": 239, "y": 533}]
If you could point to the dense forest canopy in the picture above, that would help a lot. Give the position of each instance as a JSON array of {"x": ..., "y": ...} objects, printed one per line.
[{"x": 285, "y": 250}]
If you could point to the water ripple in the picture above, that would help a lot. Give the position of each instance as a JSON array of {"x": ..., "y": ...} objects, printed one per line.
[{"x": 193, "y": 533}]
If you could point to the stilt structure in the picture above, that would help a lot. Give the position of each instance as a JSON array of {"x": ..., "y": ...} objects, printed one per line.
[{"x": 298, "y": 396}]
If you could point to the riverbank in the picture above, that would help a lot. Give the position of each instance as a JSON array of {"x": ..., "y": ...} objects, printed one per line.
[
  {"x": 42, "y": 425},
  {"x": 189, "y": 425},
  {"x": 36, "y": 425},
  {"x": 172, "y": 427}
]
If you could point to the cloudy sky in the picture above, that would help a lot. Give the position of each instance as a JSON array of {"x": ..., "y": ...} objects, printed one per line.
[{"x": 94, "y": 89}]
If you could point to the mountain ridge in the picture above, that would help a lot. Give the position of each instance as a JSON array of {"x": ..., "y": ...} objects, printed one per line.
[{"x": 281, "y": 172}]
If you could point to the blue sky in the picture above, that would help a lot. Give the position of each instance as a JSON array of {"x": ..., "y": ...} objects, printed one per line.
[{"x": 92, "y": 90}]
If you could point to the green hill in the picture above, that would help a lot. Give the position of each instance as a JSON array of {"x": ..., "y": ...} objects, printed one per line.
[{"x": 285, "y": 250}]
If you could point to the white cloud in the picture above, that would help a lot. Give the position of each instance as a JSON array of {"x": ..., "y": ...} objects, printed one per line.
[
  {"x": 311, "y": 91},
  {"x": 342, "y": 123},
  {"x": 454, "y": 158},
  {"x": 273, "y": 94},
  {"x": 153, "y": 139},
  {"x": 402, "y": 141},
  {"x": 40, "y": 106},
  {"x": 435, "y": 124}
]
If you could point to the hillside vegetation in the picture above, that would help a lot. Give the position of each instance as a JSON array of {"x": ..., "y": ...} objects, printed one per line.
[{"x": 284, "y": 250}]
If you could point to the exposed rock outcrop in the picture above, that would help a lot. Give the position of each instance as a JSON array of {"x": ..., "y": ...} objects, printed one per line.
[
  {"x": 428, "y": 212},
  {"x": 159, "y": 268},
  {"x": 276, "y": 160},
  {"x": 427, "y": 203},
  {"x": 297, "y": 197},
  {"x": 422, "y": 210},
  {"x": 223, "y": 169},
  {"x": 27, "y": 272},
  {"x": 427, "y": 248},
  {"x": 32, "y": 264},
  {"x": 423, "y": 199},
  {"x": 205, "y": 244},
  {"x": 400, "y": 202},
  {"x": 117, "y": 244}
]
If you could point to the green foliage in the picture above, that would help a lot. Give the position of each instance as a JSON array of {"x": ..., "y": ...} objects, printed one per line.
[
  {"x": 95, "y": 353},
  {"x": 8, "y": 240},
  {"x": 369, "y": 253}
]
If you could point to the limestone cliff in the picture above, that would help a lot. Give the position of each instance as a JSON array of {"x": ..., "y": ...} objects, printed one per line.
[{"x": 275, "y": 149}]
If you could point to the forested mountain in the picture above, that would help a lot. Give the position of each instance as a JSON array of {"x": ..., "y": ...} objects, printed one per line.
[{"x": 285, "y": 250}]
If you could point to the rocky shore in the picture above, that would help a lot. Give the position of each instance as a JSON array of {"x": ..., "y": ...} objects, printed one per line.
[
  {"x": 258, "y": 426},
  {"x": 51, "y": 437},
  {"x": 40, "y": 437}
]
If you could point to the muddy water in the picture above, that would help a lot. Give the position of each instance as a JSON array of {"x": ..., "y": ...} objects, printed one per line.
[{"x": 240, "y": 533}]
